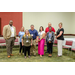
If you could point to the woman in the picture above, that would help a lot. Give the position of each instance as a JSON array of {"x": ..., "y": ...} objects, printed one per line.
[
  {"x": 21, "y": 33},
  {"x": 27, "y": 42},
  {"x": 50, "y": 40},
  {"x": 41, "y": 41},
  {"x": 60, "y": 39}
]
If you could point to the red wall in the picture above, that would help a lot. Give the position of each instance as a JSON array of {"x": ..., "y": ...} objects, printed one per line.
[{"x": 15, "y": 16}]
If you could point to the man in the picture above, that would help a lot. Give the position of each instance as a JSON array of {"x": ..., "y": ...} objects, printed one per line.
[
  {"x": 34, "y": 35},
  {"x": 9, "y": 34},
  {"x": 47, "y": 30}
]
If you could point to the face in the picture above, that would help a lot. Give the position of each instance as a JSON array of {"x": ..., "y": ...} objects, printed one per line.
[
  {"x": 22, "y": 28},
  {"x": 11, "y": 23},
  {"x": 27, "y": 32},
  {"x": 41, "y": 28},
  {"x": 32, "y": 27},
  {"x": 50, "y": 29},
  {"x": 49, "y": 24},
  {"x": 60, "y": 25}
]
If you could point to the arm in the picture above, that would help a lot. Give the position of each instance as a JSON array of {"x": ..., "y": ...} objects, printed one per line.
[
  {"x": 42, "y": 36},
  {"x": 47, "y": 37},
  {"x": 31, "y": 42},
  {"x": 37, "y": 37},
  {"x": 4, "y": 33},
  {"x": 59, "y": 34},
  {"x": 53, "y": 37},
  {"x": 22, "y": 41},
  {"x": 15, "y": 33},
  {"x": 19, "y": 34}
]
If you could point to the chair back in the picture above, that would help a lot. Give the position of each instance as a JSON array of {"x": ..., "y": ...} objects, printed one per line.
[
  {"x": 2, "y": 41},
  {"x": 16, "y": 40},
  {"x": 69, "y": 43},
  {"x": 55, "y": 41}
]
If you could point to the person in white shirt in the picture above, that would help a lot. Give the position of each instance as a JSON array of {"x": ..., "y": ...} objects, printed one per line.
[{"x": 41, "y": 41}]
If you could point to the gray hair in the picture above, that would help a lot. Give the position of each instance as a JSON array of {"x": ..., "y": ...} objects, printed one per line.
[{"x": 32, "y": 25}]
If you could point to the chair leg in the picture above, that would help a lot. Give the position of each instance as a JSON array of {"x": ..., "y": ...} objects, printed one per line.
[
  {"x": 68, "y": 52},
  {"x": 71, "y": 52}
]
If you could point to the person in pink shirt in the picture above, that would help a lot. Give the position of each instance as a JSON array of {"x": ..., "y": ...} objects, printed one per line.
[{"x": 47, "y": 30}]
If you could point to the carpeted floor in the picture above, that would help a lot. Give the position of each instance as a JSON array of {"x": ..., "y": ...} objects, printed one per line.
[{"x": 20, "y": 58}]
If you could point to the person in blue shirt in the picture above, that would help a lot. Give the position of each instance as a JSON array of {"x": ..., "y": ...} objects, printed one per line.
[
  {"x": 21, "y": 33},
  {"x": 34, "y": 33}
]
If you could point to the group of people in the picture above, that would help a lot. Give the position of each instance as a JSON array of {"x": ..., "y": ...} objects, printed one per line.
[{"x": 29, "y": 38}]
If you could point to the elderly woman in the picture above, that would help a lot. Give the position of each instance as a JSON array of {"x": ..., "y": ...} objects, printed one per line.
[
  {"x": 50, "y": 40},
  {"x": 60, "y": 39}
]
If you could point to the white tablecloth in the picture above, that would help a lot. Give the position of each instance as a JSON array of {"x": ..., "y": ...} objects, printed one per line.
[{"x": 69, "y": 39}]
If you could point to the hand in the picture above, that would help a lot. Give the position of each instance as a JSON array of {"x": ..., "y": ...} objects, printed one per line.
[
  {"x": 22, "y": 44},
  {"x": 31, "y": 44},
  {"x": 36, "y": 41},
  {"x": 56, "y": 37},
  {"x": 49, "y": 42},
  {"x": 39, "y": 40}
]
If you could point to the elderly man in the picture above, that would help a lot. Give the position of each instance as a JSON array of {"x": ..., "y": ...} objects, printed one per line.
[
  {"x": 47, "y": 30},
  {"x": 9, "y": 34},
  {"x": 34, "y": 35}
]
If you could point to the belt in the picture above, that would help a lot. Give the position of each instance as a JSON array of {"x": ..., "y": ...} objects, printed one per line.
[
  {"x": 12, "y": 37},
  {"x": 34, "y": 39}
]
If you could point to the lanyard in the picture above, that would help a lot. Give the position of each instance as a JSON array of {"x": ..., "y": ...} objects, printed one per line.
[{"x": 26, "y": 36}]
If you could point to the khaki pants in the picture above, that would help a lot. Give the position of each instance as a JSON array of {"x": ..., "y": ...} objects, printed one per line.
[
  {"x": 60, "y": 42},
  {"x": 33, "y": 47},
  {"x": 9, "y": 45}
]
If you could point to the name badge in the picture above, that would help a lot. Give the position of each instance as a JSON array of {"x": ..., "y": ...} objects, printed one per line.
[
  {"x": 12, "y": 32},
  {"x": 27, "y": 41},
  {"x": 31, "y": 34},
  {"x": 49, "y": 39}
]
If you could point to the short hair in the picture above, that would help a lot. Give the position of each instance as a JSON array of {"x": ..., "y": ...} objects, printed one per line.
[
  {"x": 60, "y": 23},
  {"x": 10, "y": 21},
  {"x": 50, "y": 23},
  {"x": 42, "y": 28},
  {"x": 32, "y": 25}
]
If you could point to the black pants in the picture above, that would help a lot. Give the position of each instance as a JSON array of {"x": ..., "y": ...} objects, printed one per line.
[
  {"x": 50, "y": 48},
  {"x": 21, "y": 48},
  {"x": 27, "y": 48}
]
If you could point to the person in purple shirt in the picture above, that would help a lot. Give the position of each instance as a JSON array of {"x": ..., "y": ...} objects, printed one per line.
[{"x": 34, "y": 33}]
